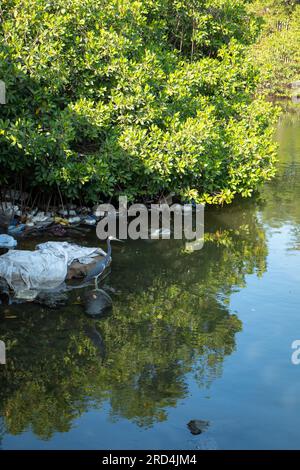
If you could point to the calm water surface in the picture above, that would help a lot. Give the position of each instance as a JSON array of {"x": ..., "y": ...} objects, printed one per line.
[{"x": 204, "y": 336}]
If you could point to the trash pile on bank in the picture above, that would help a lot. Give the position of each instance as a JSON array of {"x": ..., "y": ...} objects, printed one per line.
[{"x": 19, "y": 221}]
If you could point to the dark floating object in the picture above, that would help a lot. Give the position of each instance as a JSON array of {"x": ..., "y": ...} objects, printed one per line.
[{"x": 197, "y": 426}]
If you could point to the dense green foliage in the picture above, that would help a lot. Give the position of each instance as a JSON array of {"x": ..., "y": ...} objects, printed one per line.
[
  {"x": 277, "y": 51},
  {"x": 108, "y": 97}
]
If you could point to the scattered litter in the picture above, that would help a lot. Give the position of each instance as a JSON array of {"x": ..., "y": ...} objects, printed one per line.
[
  {"x": 74, "y": 220},
  {"x": 8, "y": 208},
  {"x": 16, "y": 229},
  {"x": 39, "y": 217},
  {"x": 67, "y": 213},
  {"x": 90, "y": 220},
  {"x": 61, "y": 221},
  {"x": 23, "y": 221}
]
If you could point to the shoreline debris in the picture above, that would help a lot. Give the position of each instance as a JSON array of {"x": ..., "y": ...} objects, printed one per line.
[{"x": 45, "y": 269}]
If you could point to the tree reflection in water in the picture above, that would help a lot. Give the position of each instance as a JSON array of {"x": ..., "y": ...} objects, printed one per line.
[{"x": 170, "y": 317}]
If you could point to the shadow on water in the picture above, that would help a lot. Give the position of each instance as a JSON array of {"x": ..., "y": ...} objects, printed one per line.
[{"x": 170, "y": 319}]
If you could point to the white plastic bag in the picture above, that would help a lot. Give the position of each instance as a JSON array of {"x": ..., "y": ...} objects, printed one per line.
[
  {"x": 6, "y": 241},
  {"x": 43, "y": 269}
]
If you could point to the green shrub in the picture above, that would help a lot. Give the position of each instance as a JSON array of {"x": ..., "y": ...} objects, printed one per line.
[
  {"x": 109, "y": 97},
  {"x": 277, "y": 51}
]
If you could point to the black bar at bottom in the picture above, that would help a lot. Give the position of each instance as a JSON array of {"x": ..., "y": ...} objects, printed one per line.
[{"x": 137, "y": 458}]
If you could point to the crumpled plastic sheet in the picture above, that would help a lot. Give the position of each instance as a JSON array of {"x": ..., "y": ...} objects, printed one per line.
[
  {"x": 6, "y": 241},
  {"x": 45, "y": 268}
]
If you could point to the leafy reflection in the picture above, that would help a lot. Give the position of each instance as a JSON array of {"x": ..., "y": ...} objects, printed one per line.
[
  {"x": 170, "y": 318},
  {"x": 280, "y": 198}
]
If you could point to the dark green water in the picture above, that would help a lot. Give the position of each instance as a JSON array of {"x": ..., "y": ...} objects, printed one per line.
[{"x": 205, "y": 335}]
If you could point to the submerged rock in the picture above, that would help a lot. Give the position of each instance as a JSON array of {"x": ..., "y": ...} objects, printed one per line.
[
  {"x": 97, "y": 303},
  {"x": 197, "y": 426}
]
